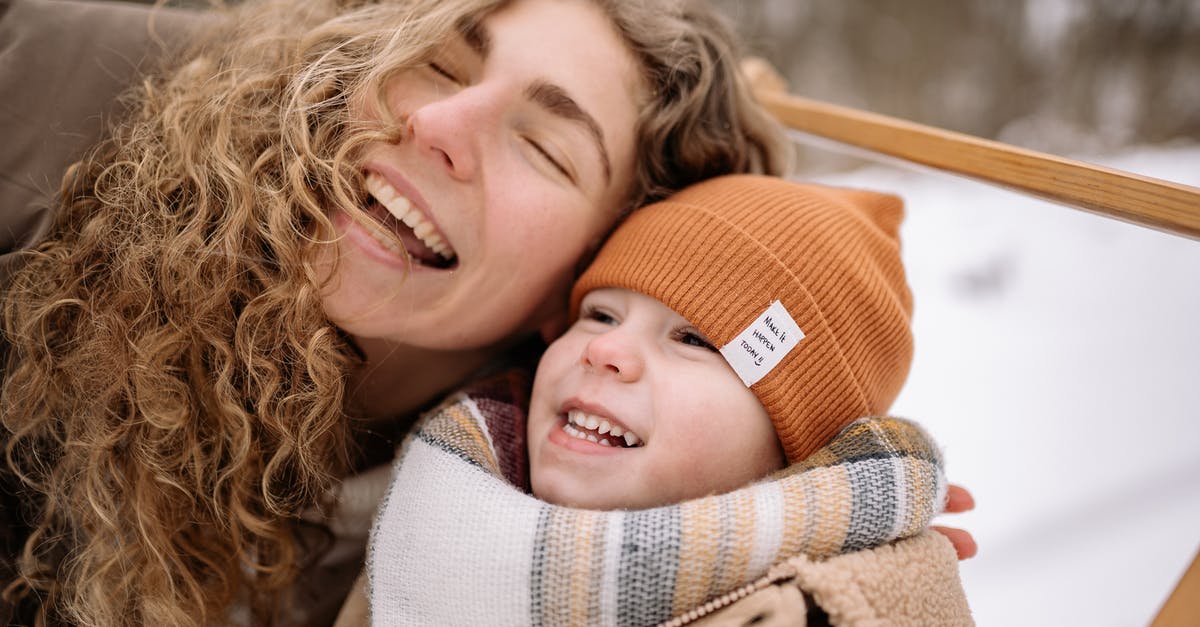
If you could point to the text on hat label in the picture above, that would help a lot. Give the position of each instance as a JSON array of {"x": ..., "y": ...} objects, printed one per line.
[{"x": 762, "y": 345}]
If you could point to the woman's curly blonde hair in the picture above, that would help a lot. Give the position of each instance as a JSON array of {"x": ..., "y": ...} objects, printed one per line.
[{"x": 173, "y": 395}]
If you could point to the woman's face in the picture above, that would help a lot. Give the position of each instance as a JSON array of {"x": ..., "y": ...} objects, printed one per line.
[{"x": 518, "y": 155}]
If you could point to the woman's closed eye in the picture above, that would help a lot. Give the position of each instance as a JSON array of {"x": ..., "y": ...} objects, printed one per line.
[
  {"x": 441, "y": 70},
  {"x": 544, "y": 154}
]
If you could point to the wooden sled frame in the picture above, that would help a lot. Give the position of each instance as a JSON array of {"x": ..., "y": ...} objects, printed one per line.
[
  {"x": 1155, "y": 203},
  {"x": 1146, "y": 201}
]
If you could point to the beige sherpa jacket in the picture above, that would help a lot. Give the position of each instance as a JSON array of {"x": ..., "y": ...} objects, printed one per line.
[{"x": 910, "y": 582}]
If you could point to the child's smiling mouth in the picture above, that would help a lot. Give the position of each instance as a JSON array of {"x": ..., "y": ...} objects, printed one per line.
[{"x": 598, "y": 430}]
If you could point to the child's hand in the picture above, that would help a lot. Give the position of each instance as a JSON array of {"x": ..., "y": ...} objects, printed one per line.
[{"x": 958, "y": 500}]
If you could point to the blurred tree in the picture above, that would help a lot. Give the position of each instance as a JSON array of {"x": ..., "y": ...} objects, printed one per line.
[{"x": 1057, "y": 75}]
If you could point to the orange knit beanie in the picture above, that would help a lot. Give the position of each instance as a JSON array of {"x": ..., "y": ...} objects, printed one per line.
[{"x": 835, "y": 347}]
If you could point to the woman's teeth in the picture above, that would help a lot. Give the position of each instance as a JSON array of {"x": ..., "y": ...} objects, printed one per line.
[
  {"x": 403, "y": 210},
  {"x": 385, "y": 237},
  {"x": 585, "y": 426}
]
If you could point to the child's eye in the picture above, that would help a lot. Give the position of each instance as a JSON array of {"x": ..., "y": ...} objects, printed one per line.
[
  {"x": 598, "y": 315},
  {"x": 692, "y": 337}
]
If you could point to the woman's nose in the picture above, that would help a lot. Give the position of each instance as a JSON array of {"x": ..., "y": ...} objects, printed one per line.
[
  {"x": 616, "y": 353},
  {"x": 451, "y": 129}
]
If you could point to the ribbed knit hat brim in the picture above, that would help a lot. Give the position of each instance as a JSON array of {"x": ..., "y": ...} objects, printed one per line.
[{"x": 720, "y": 252}]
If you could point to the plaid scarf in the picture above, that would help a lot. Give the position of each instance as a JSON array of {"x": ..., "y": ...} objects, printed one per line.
[{"x": 459, "y": 541}]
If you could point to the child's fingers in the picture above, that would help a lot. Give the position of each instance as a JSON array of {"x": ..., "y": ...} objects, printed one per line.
[
  {"x": 964, "y": 543},
  {"x": 958, "y": 500}
]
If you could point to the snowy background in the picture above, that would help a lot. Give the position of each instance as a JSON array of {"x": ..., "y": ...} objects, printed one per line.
[
  {"x": 1057, "y": 362},
  {"x": 1057, "y": 352}
]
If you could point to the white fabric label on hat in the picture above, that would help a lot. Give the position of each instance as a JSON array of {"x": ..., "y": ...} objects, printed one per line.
[{"x": 758, "y": 349}]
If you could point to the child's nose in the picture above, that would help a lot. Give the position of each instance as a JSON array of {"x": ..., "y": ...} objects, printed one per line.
[{"x": 614, "y": 353}]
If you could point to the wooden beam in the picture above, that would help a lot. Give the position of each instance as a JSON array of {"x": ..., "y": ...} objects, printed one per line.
[
  {"x": 1159, "y": 204},
  {"x": 1182, "y": 608}
]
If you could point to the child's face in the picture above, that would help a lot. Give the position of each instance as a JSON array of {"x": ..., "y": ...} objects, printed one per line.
[{"x": 687, "y": 425}]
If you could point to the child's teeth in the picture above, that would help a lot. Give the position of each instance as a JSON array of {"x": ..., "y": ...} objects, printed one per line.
[{"x": 587, "y": 427}]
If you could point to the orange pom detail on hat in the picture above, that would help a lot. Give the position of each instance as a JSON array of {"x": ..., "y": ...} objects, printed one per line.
[{"x": 800, "y": 285}]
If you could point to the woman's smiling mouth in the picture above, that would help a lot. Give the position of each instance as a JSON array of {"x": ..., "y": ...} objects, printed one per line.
[{"x": 398, "y": 216}]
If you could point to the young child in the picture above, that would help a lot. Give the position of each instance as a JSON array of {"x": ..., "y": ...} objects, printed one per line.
[
  {"x": 736, "y": 329},
  {"x": 675, "y": 381}
]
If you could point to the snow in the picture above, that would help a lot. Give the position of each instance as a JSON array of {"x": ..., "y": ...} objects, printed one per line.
[{"x": 1057, "y": 362}]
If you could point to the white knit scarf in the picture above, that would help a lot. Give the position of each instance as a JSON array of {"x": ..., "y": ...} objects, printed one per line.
[{"x": 459, "y": 541}]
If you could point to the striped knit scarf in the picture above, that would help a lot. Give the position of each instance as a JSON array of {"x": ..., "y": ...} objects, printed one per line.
[{"x": 459, "y": 541}]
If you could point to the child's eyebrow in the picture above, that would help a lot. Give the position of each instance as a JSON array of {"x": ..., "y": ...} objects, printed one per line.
[{"x": 549, "y": 96}]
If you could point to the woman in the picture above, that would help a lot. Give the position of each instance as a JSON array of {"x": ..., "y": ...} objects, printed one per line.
[{"x": 326, "y": 216}]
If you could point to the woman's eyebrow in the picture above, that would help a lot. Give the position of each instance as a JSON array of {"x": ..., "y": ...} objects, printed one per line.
[
  {"x": 477, "y": 36},
  {"x": 551, "y": 97},
  {"x": 557, "y": 101}
]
